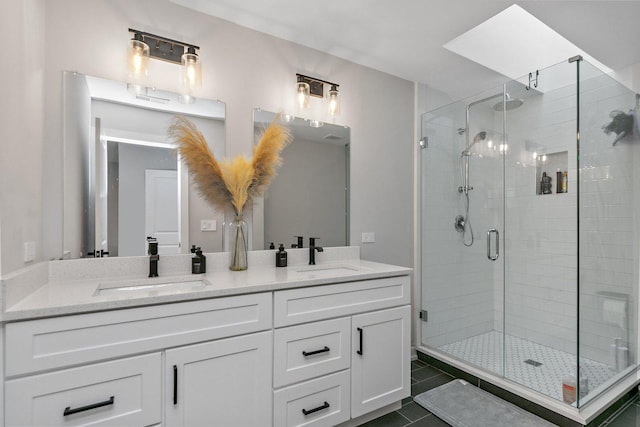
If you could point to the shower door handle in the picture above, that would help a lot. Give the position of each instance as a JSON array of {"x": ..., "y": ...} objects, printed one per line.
[{"x": 497, "y": 253}]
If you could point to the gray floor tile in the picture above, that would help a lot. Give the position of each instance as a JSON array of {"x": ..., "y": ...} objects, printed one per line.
[
  {"x": 425, "y": 373},
  {"x": 392, "y": 419},
  {"x": 429, "y": 421},
  {"x": 413, "y": 411},
  {"x": 430, "y": 383},
  {"x": 630, "y": 417}
]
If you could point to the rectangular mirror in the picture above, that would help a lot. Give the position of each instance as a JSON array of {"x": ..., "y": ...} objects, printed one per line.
[
  {"x": 123, "y": 179},
  {"x": 310, "y": 195}
]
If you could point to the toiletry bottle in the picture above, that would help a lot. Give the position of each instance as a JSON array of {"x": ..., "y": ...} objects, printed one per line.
[
  {"x": 565, "y": 181},
  {"x": 199, "y": 261},
  {"x": 271, "y": 245},
  {"x": 281, "y": 257},
  {"x": 545, "y": 183},
  {"x": 559, "y": 181},
  {"x": 569, "y": 389}
]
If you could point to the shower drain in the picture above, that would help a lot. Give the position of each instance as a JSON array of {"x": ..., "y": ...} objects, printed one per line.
[{"x": 532, "y": 362}]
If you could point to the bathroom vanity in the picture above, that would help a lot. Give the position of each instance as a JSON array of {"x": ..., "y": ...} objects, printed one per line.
[{"x": 312, "y": 345}]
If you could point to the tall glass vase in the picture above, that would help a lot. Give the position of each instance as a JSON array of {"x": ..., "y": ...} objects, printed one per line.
[{"x": 238, "y": 247}]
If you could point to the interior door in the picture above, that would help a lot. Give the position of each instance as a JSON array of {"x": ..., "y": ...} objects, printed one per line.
[{"x": 162, "y": 209}]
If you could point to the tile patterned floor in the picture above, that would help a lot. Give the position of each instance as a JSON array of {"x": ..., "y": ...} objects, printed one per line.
[
  {"x": 425, "y": 377},
  {"x": 485, "y": 350}
]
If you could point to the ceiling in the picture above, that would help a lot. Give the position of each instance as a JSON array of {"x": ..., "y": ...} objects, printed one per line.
[{"x": 404, "y": 38}]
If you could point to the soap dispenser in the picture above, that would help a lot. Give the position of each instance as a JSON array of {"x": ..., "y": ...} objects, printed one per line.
[
  {"x": 199, "y": 261},
  {"x": 281, "y": 257}
]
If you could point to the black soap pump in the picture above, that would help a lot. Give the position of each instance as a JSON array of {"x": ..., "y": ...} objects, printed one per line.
[
  {"x": 281, "y": 257},
  {"x": 199, "y": 261}
]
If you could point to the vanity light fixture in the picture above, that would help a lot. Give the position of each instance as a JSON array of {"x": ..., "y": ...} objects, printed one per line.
[
  {"x": 310, "y": 86},
  {"x": 145, "y": 45}
]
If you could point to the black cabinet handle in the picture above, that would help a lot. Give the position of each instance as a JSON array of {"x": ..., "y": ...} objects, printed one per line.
[
  {"x": 175, "y": 385},
  {"x": 311, "y": 353},
  {"x": 360, "y": 332},
  {"x": 319, "y": 408},
  {"x": 69, "y": 411}
]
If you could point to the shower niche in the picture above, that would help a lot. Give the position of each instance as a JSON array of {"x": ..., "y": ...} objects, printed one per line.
[{"x": 552, "y": 175}]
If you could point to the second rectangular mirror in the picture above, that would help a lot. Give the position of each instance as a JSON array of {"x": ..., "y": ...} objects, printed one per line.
[{"x": 310, "y": 195}]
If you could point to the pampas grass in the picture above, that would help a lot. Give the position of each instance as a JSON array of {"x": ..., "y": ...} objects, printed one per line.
[{"x": 230, "y": 182}]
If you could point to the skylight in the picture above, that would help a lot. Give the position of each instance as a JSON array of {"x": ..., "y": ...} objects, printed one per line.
[{"x": 515, "y": 43}]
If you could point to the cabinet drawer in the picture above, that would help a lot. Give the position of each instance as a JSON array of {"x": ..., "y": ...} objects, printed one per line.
[
  {"x": 320, "y": 402},
  {"x": 322, "y": 302},
  {"x": 44, "y": 344},
  {"x": 117, "y": 393},
  {"x": 307, "y": 351}
]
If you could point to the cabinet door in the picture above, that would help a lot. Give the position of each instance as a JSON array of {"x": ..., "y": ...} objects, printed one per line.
[
  {"x": 123, "y": 392},
  {"x": 380, "y": 359},
  {"x": 224, "y": 383}
]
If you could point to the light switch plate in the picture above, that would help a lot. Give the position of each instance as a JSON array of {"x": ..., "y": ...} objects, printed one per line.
[
  {"x": 208, "y": 225},
  {"x": 369, "y": 237},
  {"x": 29, "y": 251}
]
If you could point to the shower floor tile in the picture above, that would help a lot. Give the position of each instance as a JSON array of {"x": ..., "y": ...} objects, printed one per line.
[{"x": 536, "y": 366}]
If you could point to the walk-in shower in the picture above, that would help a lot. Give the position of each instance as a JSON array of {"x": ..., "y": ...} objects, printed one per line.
[{"x": 557, "y": 303}]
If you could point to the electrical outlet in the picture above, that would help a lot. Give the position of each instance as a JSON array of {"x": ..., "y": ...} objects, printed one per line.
[
  {"x": 29, "y": 251},
  {"x": 208, "y": 225},
  {"x": 369, "y": 237}
]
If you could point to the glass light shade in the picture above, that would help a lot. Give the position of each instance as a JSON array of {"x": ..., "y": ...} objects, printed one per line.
[
  {"x": 302, "y": 89},
  {"x": 191, "y": 72},
  {"x": 138, "y": 59},
  {"x": 334, "y": 101}
]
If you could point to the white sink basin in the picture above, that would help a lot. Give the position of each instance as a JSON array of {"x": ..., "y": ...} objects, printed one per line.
[
  {"x": 329, "y": 270},
  {"x": 148, "y": 285}
]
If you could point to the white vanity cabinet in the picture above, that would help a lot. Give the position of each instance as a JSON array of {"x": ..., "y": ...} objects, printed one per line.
[
  {"x": 341, "y": 350},
  {"x": 107, "y": 368},
  {"x": 224, "y": 382},
  {"x": 124, "y": 392},
  {"x": 319, "y": 354}
]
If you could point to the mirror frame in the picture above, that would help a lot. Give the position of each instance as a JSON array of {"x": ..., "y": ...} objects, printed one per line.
[
  {"x": 327, "y": 134},
  {"x": 79, "y": 140}
]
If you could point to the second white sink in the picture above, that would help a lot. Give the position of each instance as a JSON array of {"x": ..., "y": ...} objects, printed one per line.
[{"x": 148, "y": 285}]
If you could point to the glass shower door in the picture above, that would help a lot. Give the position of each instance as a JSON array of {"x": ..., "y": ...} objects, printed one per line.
[
  {"x": 461, "y": 230},
  {"x": 541, "y": 278}
]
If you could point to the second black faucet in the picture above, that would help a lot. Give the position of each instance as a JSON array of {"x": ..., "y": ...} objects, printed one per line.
[{"x": 312, "y": 250}]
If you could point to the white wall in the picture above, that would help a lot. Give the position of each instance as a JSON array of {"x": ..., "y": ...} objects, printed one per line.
[
  {"x": 246, "y": 69},
  {"x": 21, "y": 130}
]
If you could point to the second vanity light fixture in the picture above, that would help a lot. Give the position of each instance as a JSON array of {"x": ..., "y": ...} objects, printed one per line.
[
  {"x": 310, "y": 86},
  {"x": 145, "y": 45}
]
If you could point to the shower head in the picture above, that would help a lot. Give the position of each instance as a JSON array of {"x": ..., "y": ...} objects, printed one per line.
[
  {"x": 480, "y": 136},
  {"x": 508, "y": 104}
]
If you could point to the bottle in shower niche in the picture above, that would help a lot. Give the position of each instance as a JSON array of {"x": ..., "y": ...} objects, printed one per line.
[
  {"x": 545, "y": 184},
  {"x": 561, "y": 181}
]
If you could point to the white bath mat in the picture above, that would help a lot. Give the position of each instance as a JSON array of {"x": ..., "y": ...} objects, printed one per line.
[{"x": 463, "y": 405}]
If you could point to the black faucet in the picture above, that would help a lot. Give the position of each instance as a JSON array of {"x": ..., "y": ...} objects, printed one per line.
[
  {"x": 312, "y": 250},
  {"x": 152, "y": 250},
  {"x": 300, "y": 242}
]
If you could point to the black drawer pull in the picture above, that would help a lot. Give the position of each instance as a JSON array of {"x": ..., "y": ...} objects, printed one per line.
[
  {"x": 319, "y": 408},
  {"x": 311, "y": 353},
  {"x": 360, "y": 332},
  {"x": 175, "y": 385},
  {"x": 69, "y": 411}
]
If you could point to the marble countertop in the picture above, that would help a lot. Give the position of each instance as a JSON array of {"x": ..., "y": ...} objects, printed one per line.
[{"x": 68, "y": 293}]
